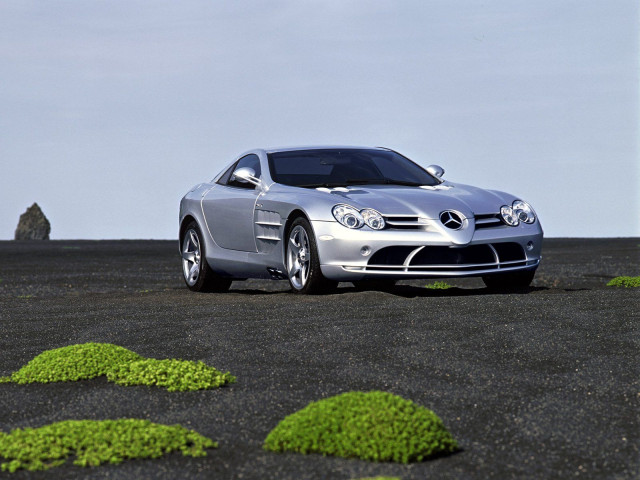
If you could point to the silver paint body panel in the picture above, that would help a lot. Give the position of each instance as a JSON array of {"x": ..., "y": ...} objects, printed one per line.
[{"x": 244, "y": 228}]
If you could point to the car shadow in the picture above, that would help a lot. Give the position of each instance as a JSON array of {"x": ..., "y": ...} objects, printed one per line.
[
  {"x": 255, "y": 291},
  {"x": 406, "y": 291}
]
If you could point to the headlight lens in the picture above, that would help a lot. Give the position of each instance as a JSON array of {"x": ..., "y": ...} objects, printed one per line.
[
  {"x": 524, "y": 212},
  {"x": 372, "y": 218},
  {"x": 348, "y": 216},
  {"x": 351, "y": 217},
  {"x": 509, "y": 216},
  {"x": 519, "y": 211}
]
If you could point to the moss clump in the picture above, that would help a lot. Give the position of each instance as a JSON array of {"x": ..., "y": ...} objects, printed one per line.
[
  {"x": 626, "y": 282},
  {"x": 175, "y": 375},
  {"x": 374, "y": 426},
  {"x": 75, "y": 362},
  {"x": 90, "y": 360},
  {"x": 95, "y": 442},
  {"x": 438, "y": 286}
]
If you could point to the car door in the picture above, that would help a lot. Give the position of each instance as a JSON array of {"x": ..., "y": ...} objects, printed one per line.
[{"x": 228, "y": 208}]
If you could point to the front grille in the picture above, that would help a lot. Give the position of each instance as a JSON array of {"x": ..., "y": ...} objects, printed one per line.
[
  {"x": 404, "y": 222},
  {"x": 391, "y": 256},
  {"x": 439, "y": 258},
  {"x": 488, "y": 220},
  {"x": 472, "y": 255},
  {"x": 414, "y": 222},
  {"x": 509, "y": 252}
]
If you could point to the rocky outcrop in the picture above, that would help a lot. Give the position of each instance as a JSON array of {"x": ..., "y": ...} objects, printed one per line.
[{"x": 33, "y": 225}]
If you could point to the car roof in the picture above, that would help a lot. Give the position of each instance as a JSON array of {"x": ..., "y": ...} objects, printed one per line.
[{"x": 320, "y": 147}]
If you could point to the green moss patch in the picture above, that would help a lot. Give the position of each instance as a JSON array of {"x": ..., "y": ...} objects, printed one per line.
[
  {"x": 627, "y": 282},
  {"x": 374, "y": 426},
  {"x": 175, "y": 375},
  {"x": 75, "y": 362},
  {"x": 94, "y": 442},
  {"x": 90, "y": 360},
  {"x": 438, "y": 286}
]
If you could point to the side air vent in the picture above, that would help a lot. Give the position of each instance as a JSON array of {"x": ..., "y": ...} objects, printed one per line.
[{"x": 267, "y": 230}]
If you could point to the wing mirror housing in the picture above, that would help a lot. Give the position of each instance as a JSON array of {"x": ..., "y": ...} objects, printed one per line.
[
  {"x": 246, "y": 175},
  {"x": 437, "y": 171}
]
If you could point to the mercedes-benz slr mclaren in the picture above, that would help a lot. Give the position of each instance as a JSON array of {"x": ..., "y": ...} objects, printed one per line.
[{"x": 317, "y": 216}]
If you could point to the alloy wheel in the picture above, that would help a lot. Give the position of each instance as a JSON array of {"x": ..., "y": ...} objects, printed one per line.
[
  {"x": 298, "y": 257},
  {"x": 191, "y": 257}
]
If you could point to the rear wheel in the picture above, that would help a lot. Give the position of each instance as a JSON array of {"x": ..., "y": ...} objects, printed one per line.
[
  {"x": 381, "y": 285},
  {"x": 302, "y": 261},
  {"x": 196, "y": 271},
  {"x": 509, "y": 281}
]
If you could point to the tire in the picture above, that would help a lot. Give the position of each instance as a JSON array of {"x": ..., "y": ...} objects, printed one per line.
[
  {"x": 302, "y": 261},
  {"x": 508, "y": 282},
  {"x": 196, "y": 272},
  {"x": 381, "y": 285}
]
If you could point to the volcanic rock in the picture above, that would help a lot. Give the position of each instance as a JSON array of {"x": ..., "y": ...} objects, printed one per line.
[{"x": 33, "y": 225}]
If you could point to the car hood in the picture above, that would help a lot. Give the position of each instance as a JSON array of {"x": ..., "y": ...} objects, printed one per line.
[{"x": 427, "y": 202}]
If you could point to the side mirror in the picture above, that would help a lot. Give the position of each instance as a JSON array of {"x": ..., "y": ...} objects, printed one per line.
[
  {"x": 245, "y": 175},
  {"x": 436, "y": 170}
]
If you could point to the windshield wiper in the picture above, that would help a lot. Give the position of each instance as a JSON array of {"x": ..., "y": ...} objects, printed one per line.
[
  {"x": 319, "y": 185},
  {"x": 403, "y": 182},
  {"x": 360, "y": 181},
  {"x": 382, "y": 181}
]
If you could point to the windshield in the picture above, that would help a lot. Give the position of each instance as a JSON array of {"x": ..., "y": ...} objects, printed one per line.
[{"x": 343, "y": 167}]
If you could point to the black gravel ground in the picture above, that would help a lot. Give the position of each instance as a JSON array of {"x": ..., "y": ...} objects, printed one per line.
[{"x": 537, "y": 384}]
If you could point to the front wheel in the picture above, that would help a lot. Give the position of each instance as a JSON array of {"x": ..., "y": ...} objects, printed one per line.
[
  {"x": 196, "y": 271},
  {"x": 509, "y": 281},
  {"x": 302, "y": 261}
]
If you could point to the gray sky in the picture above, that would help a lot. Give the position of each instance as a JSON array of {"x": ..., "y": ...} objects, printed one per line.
[{"x": 111, "y": 111}]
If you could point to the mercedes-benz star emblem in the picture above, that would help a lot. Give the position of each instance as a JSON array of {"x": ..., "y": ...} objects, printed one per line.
[{"x": 451, "y": 219}]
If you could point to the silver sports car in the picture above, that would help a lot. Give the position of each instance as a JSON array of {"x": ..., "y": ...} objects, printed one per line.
[{"x": 322, "y": 215}]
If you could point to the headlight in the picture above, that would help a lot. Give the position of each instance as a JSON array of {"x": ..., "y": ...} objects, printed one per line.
[
  {"x": 372, "y": 218},
  {"x": 352, "y": 218},
  {"x": 519, "y": 211},
  {"x": 509, "y": 216},
  {"x": 348, "y": 216},
  {"x": 524, "y": 212}
]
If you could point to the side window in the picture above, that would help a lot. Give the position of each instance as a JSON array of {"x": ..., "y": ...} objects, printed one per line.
[
  {"x": 252, "y": 161},
  {"x": 226, "y": 175}
]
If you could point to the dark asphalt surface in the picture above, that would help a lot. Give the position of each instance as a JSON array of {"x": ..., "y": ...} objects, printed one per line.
[{"x": 537, "y": 384}]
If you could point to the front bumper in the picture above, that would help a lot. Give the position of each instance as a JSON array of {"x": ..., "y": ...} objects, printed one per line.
[{"x": 347, "y": 254}]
